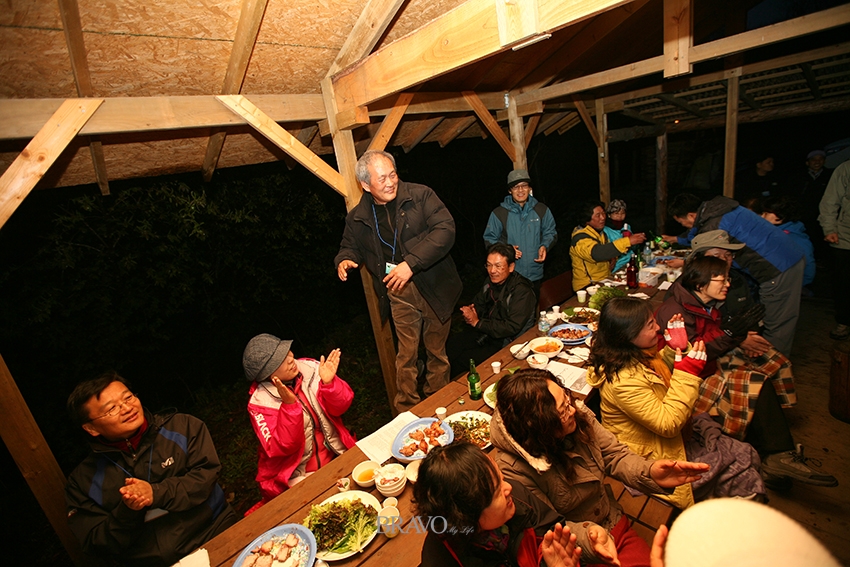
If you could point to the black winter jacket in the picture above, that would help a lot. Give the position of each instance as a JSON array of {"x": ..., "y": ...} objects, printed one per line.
[{"x": 508, "y": 310}]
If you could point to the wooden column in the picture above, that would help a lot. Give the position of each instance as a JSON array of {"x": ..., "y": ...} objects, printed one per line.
[
  {"x": 517, "y": 130},
  {"x": 346, "y": 158},
  {"x": 660, "y": 183},
  {"x": 604, "y": 172},
  {"x": 731, "y": 137},
  {"x": 36, "y": 462},
  {"x": 678, "y": 37}
]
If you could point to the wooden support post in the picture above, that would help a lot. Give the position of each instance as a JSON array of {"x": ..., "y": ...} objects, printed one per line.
[
  {"x": 660, "y": 183},
  {"x": 36, "y": 462},
  {"x": 731, "y": 137},
  {"x": 678, "y": 37},
  {"x": 602, "y": 135},
  {"x": 343, "y": 142},
  {"x": 42, "y": 151},
  {"x": 517, "y": 130}
]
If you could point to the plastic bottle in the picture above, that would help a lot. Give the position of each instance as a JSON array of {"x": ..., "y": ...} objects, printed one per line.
[
  {"x": 632, "y": 274},
  {"x": 647, "y": 254},
  {"x": 543, "y": 323},
  {"x": 473, "y": 382}
]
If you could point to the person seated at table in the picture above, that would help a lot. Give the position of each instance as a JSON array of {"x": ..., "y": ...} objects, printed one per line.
[
  {"x": 783, "y": 213},
  {"x": 591, "y": 251},
  {"x": 647, "y": 401},
  {"x": 555, "y": 447},
  {"x": 504, "y": 308},
  {"x": 147, "y": 494},
  {"x": 487, "y": 520},
  {"x": 295, "y": 407},
  {"x": 735, "y": 375},
  {"x": 616, "y": 228}
]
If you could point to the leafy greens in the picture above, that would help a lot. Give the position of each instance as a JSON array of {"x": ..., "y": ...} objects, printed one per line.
[{"x": 342, "y": 526}]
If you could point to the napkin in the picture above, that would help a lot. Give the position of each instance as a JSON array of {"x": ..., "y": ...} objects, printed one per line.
[{"x": 639, "y": 294}]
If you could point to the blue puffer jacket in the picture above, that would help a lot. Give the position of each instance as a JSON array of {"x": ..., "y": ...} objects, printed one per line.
[
  {"x": 797, "y": 231},
  {"x": 768, "y": 251},
  {"x": 525, "y": 229}
]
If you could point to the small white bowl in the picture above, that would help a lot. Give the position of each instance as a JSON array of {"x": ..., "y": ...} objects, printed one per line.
[
  {"x": 556, "y": 346},
  {"x": 592, "y": 289},
  {"x": 520, "y": 351},
  {"x": 538, "y": 361},
  {"x": 395, "y": 490},
  {"x": 412, "y": 471},
  {"x": 361, "y": 469}
]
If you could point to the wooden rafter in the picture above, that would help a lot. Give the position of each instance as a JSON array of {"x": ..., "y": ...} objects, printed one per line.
[
  {"x": 456, "y": 127},
  {"x": 531, "y": 127},
  {"x": 250, "y": 17},
  {"x": 446, "y": 44},
  {"x": 490, "y": 123},
  {"x": 585, "y": 116},
  {"x": 678, "y": 37},
  {"x": 42, "y": 151},
  {"x": 261, "y": 122},
  {"x": 683, "y": 104},
  {"x": 367, "y": 31},
  {"x": 811, "y": 80},
  {"x": 567, "y": 119},
  {"x": 390, "y": 123},
  {"x": 424, "y": 128},
  {"x": 73, "y": 27}
]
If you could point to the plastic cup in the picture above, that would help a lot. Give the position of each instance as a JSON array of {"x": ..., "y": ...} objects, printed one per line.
[
  {"x": 556, "y": 309},
  {"x": 581, "y": 295},
  {"x": 389, "y": 521},
  {"x": 496, "y": 366},
  {"x": 441, "y": 413}
]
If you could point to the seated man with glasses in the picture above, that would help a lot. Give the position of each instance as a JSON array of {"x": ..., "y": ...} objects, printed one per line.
[
  {"x": 501, "y": 311},
  {"x": 148, "y": 492},
  {"x": 524, "y": 223}
]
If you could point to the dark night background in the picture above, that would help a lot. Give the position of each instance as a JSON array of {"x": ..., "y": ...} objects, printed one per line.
[{"x": 167, "y": 279}]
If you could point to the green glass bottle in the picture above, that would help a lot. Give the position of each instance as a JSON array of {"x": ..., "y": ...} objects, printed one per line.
[{"x": 474, "y": 382}]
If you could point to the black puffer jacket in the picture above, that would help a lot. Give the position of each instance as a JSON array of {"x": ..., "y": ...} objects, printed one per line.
[
  {"x": 506, "y": 311},
  {"x": 177, "y": 457},
  {"x": 427, "y": 235}
]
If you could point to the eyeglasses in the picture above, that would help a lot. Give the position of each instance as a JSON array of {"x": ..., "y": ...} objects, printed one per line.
[
  {"x": 116, "y": 409},
  {"x": 727, "y": 280},
  {"x": 568, "y": 401},
  {"x": 521, "y": 186}
]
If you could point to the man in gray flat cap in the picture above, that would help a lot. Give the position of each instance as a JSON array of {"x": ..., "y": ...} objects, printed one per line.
[
  {"x": 526, "y": 224},
  {"x": 295, "y": 410}
]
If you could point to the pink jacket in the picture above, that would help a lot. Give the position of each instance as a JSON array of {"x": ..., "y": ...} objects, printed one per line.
[{"x": 281, "y": 428}]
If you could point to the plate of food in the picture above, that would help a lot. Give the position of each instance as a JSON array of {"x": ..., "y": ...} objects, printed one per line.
[
  {"x": 343, "y": 524},
  {"x": 570, "y": 333},
  {"x": 581, "y": 316},
  {"x": 472, "y": 426},
  {"x": 289, "y": 545},
  {"x": 418, "y": 437},
  {"x": 490, "y": 395}
]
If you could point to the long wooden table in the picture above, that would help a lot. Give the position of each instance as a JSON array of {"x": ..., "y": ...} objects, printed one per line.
[{"x": 293, "y": 505}]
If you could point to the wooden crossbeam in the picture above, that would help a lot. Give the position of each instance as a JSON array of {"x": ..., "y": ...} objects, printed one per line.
[
  {"x": 73, "y": 28},
  {"x": 390, "y": 123},
  {"x": 678, "y": 37},
  {"x": 747, "y": 97},
  {"x": 490, "y": 123},
  {"x": 421, "y": 132},
  {"x": 640, "y": 116},
  {"x": 585, "y": 116},
  {"x": 683, "y": 104},
  {"x": 42, "y": 151},
  {"x": 456, "y": 127},
  {"x": 458, "y": 37},
  {"x": 250, "y": 17},
  {"x": 261, "y": 122},
  {"x": 567, "y": 118}
]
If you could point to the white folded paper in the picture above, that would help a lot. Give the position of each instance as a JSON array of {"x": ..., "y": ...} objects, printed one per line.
[
  {"x": 378, "y": 446},
  {"x": 199, "y": 558},
  {"x": 571, "y": 377}
]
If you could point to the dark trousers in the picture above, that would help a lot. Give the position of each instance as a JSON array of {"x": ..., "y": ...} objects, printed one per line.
[
  {"x": 768, "y": 432},
  {"x": 467, "y": 344},
  {"x": 841, "y": 276}
]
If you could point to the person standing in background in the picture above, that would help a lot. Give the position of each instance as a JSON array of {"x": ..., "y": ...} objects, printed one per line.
[{"x": 835, "y": 221}]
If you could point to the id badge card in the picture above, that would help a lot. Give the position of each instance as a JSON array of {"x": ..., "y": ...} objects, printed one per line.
[{"x": 389, "y": 267}]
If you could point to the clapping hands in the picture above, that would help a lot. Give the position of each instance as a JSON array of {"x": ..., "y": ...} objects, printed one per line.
[
  {"x": 675, "y": 334},
  {"x": 559, "y": 547}
]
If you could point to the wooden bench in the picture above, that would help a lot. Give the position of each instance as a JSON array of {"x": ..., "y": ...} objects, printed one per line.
[
  {"x": 646, "y": 513},
  {"x": 555, "y": 291}
]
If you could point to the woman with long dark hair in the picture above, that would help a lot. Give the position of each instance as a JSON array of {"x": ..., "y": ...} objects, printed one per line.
[
  {"x": 734, "y": 385},
  {"x": 553, "y": 445},
  {"x": 648, "y": 398},
  {"x": 477, "y": 518}
]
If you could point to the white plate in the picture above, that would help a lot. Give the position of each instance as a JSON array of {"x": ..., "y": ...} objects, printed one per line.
[
  {"x": 470, "y": 414},
  {"x": 487, "y": 393},
  {"x": 305, "y": 535},
  {"x": 366, "y": 499}
]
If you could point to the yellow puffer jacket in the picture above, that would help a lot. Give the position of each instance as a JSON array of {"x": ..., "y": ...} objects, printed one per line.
[
  {"x": 591, "y": 253},
  {"x": 648, "y": 417}
]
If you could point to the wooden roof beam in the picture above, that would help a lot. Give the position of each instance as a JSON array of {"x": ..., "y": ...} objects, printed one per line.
[
  {"x": 73, "y": 27},
  {"x": 531, "y": 127},
  {"x": 585, "y": 116},
  {"x": 683, "y": 104},
  {"x": 250, "y": 17},
  {"x": 811, "y": 80},
  {"x": 490, "y": 123},
  {"x": 568, "y": 118},
  {"x": 367, "y": 31},
  {"x": 678, "y": 37},
  {"x": 261, "y": 122},
  {"x": 391, "y": 122},
  {"x": 458, "y": 37},
  {"x": 457, "y": 126},
  {"x": 420, "y": 133},
  {"x": 42, "y": 151}
]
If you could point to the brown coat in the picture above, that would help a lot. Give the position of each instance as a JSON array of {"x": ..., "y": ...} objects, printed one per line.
[{"x": 585, "y": 500}]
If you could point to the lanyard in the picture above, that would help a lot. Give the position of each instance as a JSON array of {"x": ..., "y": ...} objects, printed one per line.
[{"x": 378, "y": 230}]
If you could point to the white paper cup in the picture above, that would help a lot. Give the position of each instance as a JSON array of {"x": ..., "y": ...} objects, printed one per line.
[
  {"x": 441, "y": 413},
  {"x": 389, "y": 521},
  {"x": 581, "y": 295},
  {"x": 556, "y": 309},
  {"x": 496, "y": 366}
]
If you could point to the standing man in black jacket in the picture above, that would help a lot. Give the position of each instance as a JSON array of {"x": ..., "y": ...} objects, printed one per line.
[
  {"x": 147, "y": 494},
  {"x": 501, "y": 311},
  {"x": 402, "y": 233}
]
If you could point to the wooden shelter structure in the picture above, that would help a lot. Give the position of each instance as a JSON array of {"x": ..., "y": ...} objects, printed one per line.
[{"x": 94, "y": 91}]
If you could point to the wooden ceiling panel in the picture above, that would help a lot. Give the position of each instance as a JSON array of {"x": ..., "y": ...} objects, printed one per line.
[
  {"x": 276, "y": 69},
  {"x": 208, "y": 20},
  {"x": 32, "y": 14},
  {"x": 317, "y": 24},
  {"x": 415, "y": 14},
  {"x": 34, "y": 64},
  {"x": 155, "y": 66}
]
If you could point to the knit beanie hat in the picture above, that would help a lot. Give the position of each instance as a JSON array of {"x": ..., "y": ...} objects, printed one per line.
[
  {"x": 615, "y": 206},
  {"x": 263, "y": 355},
  {"x": 732, "y": 531}
]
